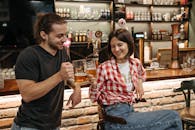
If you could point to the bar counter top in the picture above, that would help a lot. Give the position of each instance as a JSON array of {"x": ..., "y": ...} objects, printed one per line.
[
  {"x": 10, "y": 86},
  {"x": 152, "y": 75}
]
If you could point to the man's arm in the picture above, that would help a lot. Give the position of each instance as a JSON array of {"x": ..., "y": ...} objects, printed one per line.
[
  {"x": 31, "y": 90},
  {"x": 75, "y": 97}
]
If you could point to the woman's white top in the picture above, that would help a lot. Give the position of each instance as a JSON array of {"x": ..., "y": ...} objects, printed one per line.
[{"x": 125, "y": 72}]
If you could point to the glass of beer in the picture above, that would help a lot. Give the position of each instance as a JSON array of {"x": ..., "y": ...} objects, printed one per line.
[
  {"x": 79, "y": 70},
  {"x": 91, "y": 66}
]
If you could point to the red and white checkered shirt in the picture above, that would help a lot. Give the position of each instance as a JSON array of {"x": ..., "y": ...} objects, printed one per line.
[{"x": 111, "y": 87}]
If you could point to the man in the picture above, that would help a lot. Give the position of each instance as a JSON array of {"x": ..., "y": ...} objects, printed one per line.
[{"x": 41, "y": 72}]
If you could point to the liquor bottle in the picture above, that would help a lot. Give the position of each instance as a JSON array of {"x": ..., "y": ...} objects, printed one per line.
[
  {"x": 84, "y": 36},
  {"x": 80, "y": 36},
  {"x": 70, "y": 35},
  {"x": 76, "y": 39}
]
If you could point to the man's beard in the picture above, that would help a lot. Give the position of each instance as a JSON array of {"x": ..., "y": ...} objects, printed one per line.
[{"x": 53, "y": 46}]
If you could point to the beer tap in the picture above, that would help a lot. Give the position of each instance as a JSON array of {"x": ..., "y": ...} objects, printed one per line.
[
  {"x": 67, "y": 43},
  {"x": 96, "y": 43}
]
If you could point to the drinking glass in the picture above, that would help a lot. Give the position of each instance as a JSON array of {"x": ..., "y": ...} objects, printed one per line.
[
  {"x": 74, "y": 14},
  {"x": 186, "y": 66},
  {"x": 91, "y": 66},
  {"x": 79, "y": 70}
]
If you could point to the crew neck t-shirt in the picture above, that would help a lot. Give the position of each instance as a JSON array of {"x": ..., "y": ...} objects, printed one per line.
[{"x": 34, "y": 63}]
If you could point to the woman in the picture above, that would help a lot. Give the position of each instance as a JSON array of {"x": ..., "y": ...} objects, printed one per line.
[{"x": 118, "y": 80}]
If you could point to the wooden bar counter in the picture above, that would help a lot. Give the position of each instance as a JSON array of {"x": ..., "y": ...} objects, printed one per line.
[
  {"x": 10, "y": 86},
  {"x": 163, "y": 74}
]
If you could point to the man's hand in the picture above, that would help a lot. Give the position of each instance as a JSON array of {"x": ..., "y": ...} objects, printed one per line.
[
  {"x": 66, "y": 71},
  {"x": 75, "y": 97}
]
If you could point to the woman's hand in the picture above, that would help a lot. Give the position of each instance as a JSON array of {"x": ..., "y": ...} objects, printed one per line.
[
  {"x": 92, "y": 80},
  {"x": 140, "y": 90}
]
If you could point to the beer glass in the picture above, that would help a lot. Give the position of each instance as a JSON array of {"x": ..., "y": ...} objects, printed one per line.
[
  {"x": 79, "y": 70},
  {"x": 91, "y": 66}
]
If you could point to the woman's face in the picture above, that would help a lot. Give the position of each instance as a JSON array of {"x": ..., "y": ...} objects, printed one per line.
[{"x": 119, "y": 49}]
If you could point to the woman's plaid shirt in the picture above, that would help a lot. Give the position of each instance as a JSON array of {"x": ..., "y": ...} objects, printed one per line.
[{"x": 111, "y": 87}]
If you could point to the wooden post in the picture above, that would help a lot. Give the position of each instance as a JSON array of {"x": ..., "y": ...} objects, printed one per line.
[
  {"x": 141, "y": 50},
  {"x": 175, "y": 49}
]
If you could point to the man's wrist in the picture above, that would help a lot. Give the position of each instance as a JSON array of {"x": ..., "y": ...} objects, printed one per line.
[
  {"x": 72, "y": 84},
  {"x": 59, "y": 76},
  {"x": 77, "y": 87}
]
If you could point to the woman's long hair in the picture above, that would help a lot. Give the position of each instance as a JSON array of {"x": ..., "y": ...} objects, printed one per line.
[{"x": 122, "y": 35}]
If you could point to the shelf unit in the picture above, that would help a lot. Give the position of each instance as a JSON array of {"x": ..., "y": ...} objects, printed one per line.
[
  {"x": 148, "y": 18},
  {"x": 142, "y": 9},
  {"x": 84, "y": 18},
  {"x": 154, "y": 20},
  {"x": 101, "y": 15},
  {"x": 94, "y": 15}
]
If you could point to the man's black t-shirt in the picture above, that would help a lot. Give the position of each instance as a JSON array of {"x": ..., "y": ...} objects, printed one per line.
[{"x": 34, "y": 63}]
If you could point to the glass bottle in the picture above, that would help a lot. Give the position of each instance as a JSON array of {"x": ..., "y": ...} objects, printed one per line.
[
  {"x": 76, "y": 37},
  {"x": 147, "y": 53},
  {"x": 128, "y": 15},
  {"x": 68, "y": 13},
  {"x": 80, "y": 36},
  {"x": 84, "y": 37},
  {"x": 70, "y": 35}
]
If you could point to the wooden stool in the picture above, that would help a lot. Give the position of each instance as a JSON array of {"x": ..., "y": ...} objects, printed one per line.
[{"x": 188, "y": 113}]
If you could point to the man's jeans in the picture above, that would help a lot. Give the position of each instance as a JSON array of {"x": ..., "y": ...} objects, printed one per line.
[
  {"x": 17, "y": 127},
  {"x": 155, "y": 120}
]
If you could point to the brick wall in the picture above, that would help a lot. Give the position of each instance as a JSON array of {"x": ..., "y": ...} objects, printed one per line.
[{"x": 159, "y": 95}]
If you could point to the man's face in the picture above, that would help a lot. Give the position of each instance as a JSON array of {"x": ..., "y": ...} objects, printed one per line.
[{"x": 57, "y": 36}]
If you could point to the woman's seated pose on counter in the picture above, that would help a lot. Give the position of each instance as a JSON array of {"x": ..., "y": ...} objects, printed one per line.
[{"x": 119, "y": 82}]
